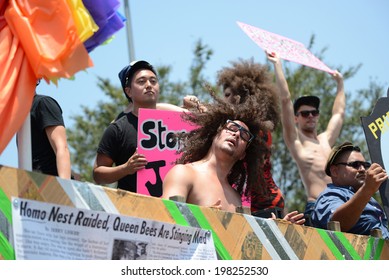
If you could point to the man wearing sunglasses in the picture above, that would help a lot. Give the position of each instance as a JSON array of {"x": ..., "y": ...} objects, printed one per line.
[
  {"x": 309, "y": 149},
  {"x": 349, "y": 198},
  {"x": 241, "y": 79},
  {"x": 219, "y": 158}
]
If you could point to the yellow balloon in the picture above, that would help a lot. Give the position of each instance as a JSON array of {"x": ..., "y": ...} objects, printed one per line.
[{"x": 84, "y": 22}]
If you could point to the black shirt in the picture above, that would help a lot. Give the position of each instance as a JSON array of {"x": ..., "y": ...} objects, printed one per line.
[
  {"x": 119, "y": 143},
  {"x": 45, "y": 112}
]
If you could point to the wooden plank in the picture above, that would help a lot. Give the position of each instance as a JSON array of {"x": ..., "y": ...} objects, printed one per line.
[{"x": 237, "y": 235}]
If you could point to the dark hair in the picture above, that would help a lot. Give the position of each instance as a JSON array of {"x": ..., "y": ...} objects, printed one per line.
[
  {"x": 309, "y": 100},
  {"x": 126, "y": 74},
  {"x": 194, "y": 145},
  {"x": 246, "y": 78}
]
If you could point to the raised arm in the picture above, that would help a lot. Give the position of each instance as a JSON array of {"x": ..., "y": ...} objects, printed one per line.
[
  {"x": 287, "y": 113},
  {"x": 170, "y": 107},
  {"x": 349, "y": 213},
  {"x": 338, "y": 111},
  {"x": 187, "y": 104},
  {"x": 57, "y": 138}
]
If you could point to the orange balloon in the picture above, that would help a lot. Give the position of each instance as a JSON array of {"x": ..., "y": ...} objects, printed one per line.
[
  {"x": 49, "y": 37},
  {"x": 17, "y": 83}
]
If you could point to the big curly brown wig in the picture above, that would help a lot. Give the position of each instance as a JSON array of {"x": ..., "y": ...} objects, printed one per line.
[
  {"x": 194, "y": 145},
  {"x": 246, "y": 78}
]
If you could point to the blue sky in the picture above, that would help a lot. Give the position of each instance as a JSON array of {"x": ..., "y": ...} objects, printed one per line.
[{"x": 165, "y": 32}]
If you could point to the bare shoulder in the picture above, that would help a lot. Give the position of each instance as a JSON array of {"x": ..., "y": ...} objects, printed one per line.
[
  {"x": 178, "y": 181},
  {"x": 180, "y": 169}
]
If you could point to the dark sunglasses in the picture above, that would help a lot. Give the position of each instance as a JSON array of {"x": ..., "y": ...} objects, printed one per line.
[
  {"x": 244, "y": 133},
  {"x": 305, "y": 114},
  {"x": 356, "y": 164}
]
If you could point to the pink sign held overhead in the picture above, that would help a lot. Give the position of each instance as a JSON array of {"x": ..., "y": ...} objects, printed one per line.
[
  {"x": 156, "y": 129},
  {"x": 285, "y": 48}
]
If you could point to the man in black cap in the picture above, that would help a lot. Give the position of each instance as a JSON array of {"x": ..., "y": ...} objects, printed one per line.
[
  {"x": 309, "y": 149},
  {"x": 349, "y": 198},
  {"x": 117, "y": 159},
  {"x": 126, "y": 74}
]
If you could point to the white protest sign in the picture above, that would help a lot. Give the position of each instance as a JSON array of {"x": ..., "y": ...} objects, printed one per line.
[{"x": 285, "y": 48}]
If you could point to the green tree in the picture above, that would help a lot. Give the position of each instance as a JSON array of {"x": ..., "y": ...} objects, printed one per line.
[
  {"x": 173, "y": 92},
  {"x": 85, "y": 134}
]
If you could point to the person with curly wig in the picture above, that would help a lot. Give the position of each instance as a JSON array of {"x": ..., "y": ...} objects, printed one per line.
[
  {"x": 245, "y": 78},
  {"x": 219, "y": 157}
]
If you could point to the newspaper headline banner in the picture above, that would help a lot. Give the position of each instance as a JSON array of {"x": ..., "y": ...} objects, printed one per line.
[{"x": 50, "y": 231}]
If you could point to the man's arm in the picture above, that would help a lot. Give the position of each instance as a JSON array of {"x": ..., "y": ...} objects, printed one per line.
[
  {"x": 177, "y": 182},
  {"x": 57, "y": 138},
  {"x": 105, "y": 173},
  {"x": 338, "y": 111},
  {"x": 349, "y": 213},
  {"x": 170, "y": 107},
  {"x": 287, "y": 113}
]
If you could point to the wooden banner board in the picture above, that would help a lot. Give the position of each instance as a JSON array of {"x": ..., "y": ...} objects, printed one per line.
[{"x": 236, "y": 236}]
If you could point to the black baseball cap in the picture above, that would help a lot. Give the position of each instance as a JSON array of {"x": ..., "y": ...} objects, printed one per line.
[
  {"x": 126, "y": 74},
  {"x": 310, "y": 100}
]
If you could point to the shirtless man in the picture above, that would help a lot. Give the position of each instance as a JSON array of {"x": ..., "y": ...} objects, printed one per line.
[
  {"x": 309, "y": 149},
  {"x": 211, "y": 170},
  {"x": 192, "y": 180},
  {"x": 220, "y": 159}
]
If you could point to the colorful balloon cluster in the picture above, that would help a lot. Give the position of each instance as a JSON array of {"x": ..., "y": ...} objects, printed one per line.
[{"x": 49, "y": 40}]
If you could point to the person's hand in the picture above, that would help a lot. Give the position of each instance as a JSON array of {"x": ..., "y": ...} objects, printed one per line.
[
  {"x": 375, "y": 176},
  {"x": 192, "y": 102},
  {"x": 338, "y": 77},
  {"x": 136, "y": 162},
  {"x": 217, "y": 205},
  {"x": 295, "y": 218},
  {"x": 272, "y": 56}
]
